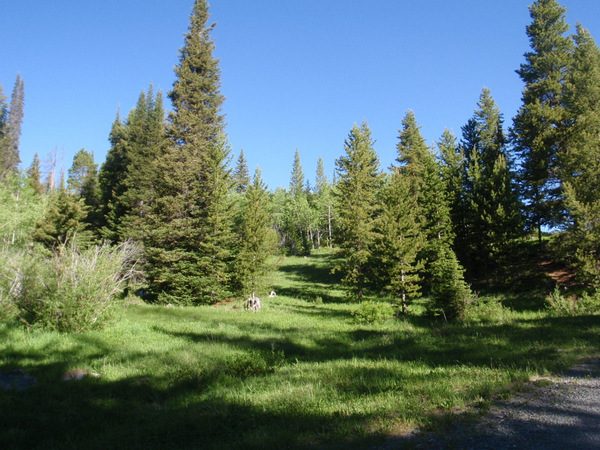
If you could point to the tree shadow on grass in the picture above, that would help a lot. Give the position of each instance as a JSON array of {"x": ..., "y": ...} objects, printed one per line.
[{"x": 187, "y": 408}]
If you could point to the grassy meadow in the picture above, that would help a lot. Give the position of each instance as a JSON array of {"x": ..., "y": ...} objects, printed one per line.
[{"x": 300, "y": 373}]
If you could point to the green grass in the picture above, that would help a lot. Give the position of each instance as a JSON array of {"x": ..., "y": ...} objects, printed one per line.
[{"x": 299, "y": 373}]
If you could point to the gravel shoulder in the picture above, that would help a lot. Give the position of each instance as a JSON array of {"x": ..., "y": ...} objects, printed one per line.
[{"x": 554, "y": 413}]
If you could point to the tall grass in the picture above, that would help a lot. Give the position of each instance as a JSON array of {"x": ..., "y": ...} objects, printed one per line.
[{"x": 297, "y": 374}]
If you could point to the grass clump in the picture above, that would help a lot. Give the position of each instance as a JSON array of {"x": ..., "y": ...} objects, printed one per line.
[{"x": 373, "y": 312}]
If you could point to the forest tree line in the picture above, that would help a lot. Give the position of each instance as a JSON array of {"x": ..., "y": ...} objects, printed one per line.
[{"x": 438, "y": 218}]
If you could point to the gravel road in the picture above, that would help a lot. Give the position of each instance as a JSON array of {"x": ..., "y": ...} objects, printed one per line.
[{"x": 562, "y": 412}]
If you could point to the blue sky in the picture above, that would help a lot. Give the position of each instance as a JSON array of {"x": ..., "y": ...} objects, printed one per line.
[{"x": 297, "y": 74}]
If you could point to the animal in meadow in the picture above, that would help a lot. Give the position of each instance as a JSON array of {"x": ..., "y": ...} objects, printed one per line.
[{"x": 253, "y": 303}]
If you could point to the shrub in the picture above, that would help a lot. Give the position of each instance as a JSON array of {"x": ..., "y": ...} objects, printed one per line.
[
  {"x": 373, "y": 312},
  {"x": 572, "y": 305},
  {"x": 72, "y": 290},
  {"x": 489, "y": 310},
  {"x": 450, "y": 295}
]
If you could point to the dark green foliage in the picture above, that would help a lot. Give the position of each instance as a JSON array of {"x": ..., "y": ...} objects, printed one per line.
[
  {"x": 63, "y": 222},
  {"x": 10, "y": 129},
  {"x": 129, "y": 174},
  {"x": 359, "y": 179},
  {"x": 423, "y": 174},
  {"x": 488, "y": 206},
  {"x": 537, "y": 131},
  {"x": 580, "y": 164},
  {"x": 450, "y": 296},
  {"x": 82, "y": 183},
  {"x": 190, "y": 225}
]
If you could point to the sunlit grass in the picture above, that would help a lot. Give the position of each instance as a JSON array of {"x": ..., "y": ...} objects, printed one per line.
[{"x": 299, "y": 372}]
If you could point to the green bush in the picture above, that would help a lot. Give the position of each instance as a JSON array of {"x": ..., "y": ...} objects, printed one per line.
[
  {"x": 572, "y": 305},
  {"x": 373, "y": 312},
  {"x": 450, "y": 296},
  {"x": 72, "y": 290}
]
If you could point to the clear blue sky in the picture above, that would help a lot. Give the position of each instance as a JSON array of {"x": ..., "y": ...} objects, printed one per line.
[{"x": 297, "y": 74}]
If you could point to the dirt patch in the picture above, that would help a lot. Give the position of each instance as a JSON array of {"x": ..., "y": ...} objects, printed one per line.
[{"x": 560, "y": 274}]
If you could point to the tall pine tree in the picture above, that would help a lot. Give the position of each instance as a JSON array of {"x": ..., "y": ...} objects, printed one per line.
[
  {"x": 190, "y": 225},
  {"x": 417, "y": 163},
  {"x": 491, "y": 211},
  {"x": 537, "y": 129},
  {"x": 580, "y": 164},
  {"x": 359, "y": 180},
  {"x": 9, "y": 144}
]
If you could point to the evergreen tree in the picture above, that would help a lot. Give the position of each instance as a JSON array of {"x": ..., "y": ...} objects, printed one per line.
[
  {"x": 580, "y": 164},
  {"x": 450, "y": 295},
  {"x": 34, "y": 177},
  {"x": 417, "y": 163},
  {"x": 241, "y": 175},
  {"x": 111, "y": 178},
  {"x": 3, "y": 115},
  {"x": 399, "y": 240},
  {"x": 63, "y": 222},
  {"x": 454, "y": 172},
  {"x": 190, "y": 225},
  {"x": 359, "y": 179},
  {"x": 146, "y": 144},
  {"x": 9, "y": 145},
  {"x": 82, "y": 183},
  {"x": 129, "y": 174},
  {"x": 256, "y": 239},
  {"x": 538, "y": 126},
  {"x": 297, "y": 178},
  {"x": 491, "y": 211},
  {"x": 298, "y": 217}
]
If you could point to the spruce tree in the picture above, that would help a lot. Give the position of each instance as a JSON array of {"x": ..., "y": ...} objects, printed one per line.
[
  {"x": 129, "y": 174},
  {"x": 63, "y": 222},
  {"x": 241, "y": 175},
  {"x": 580, "y": 164},
  {"x": 34, "y": 177},
  {"x": 359, "y": 179},
  {"x": 399, "y": 240},
  {"x": 491, "y": 212},
  {"x": 111, "y": 178},
  {"x": 82, "y": 183},
  {"x": 417, "y": 163},
  {"x": 190, "y": 225},
  {"x": 537, "y": 129},
  {"x": 146, "y": 145},
  {"x": 9, "y": 145}
]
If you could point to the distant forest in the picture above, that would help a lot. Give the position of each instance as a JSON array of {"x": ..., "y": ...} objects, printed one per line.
[{"x": 436, "y": 221}]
